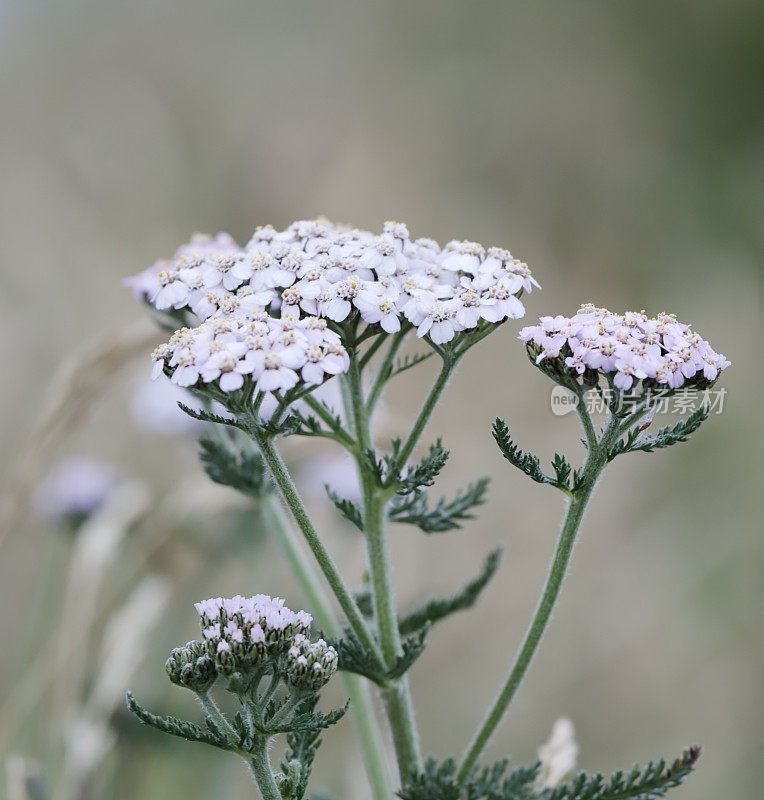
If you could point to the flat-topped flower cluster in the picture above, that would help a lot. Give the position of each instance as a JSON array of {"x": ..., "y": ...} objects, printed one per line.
[
  {"x": 250, "y": 621},
  {"x": 630, "y": 347},
  {"x": 276, "y": 353},
  {"x": 316, "y": 268},
  {"x": 248, "y": 635}
]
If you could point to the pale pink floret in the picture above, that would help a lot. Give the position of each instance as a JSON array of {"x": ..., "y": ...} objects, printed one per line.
[{"x": 630, "y": 347}]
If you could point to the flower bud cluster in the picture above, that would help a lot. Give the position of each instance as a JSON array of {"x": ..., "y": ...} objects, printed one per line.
[
  {"x": 316, "y": 268},
  {"x": 659, "y": 351},
  {"x": 275, "y": 354},
  {"x": 241, "y": 633},
  {"x": 309, "y": 665},
  {"x": 192, "y": 666}
]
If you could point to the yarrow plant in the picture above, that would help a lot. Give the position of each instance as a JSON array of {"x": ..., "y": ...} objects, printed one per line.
[{"x": 260, "y": 329}]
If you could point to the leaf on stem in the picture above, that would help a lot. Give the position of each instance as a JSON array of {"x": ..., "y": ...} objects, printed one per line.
[
  {"x": 306, "y": 718},
  {"x": 407, "y": 362},
  {"x": 347, "y": 508},
  {"x": 529, "y": 463},
  {"x": 208, "y": 416},
  {"x": 353, "y": 657},
  {"x": 665, "y": 437},
  {"x": 413, "y": 647},
  {"x": 243, "y": 470},
  {"x": 211, "y": 735},
  {"x": 297, "y": 763},
  {"x": 440, "y": 608},
  {"x": 424, "y": 473},
  {"x": 647, "y": 783},
  {"x": 446, "y": 515},
  {"x": 438, "y": 782}
]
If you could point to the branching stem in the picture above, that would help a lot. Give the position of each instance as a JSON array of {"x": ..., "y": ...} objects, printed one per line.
[
  {"x": 424, "y": 415},
  {"x": 361, "y": 707},
  {"x": 212, "y": 710},
  {"x": 293, "y": 500},
  {"x": 595, "y": 463},
  {"x": 261, "y": 768}
]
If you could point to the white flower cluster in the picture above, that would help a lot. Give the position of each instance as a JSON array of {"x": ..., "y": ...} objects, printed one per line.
[
  {"x": 309, "y": 665},
  {"x": 259, "y": 619},
  {"x": 631, "y": 347},
  {"x": 276, "y": 353},
  {"x": 240, "y": 634},
  {"x": 316, "y": 268}
]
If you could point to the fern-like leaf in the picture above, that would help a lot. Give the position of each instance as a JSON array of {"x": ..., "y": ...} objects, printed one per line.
[
  {"x": 529, "y": 463},
  {"x": 347, "y": 508},
  {"x": 647, "y": 783},
  {"x": 424, "y": 473},
  {"x": 407, "y": 362},
  {"x": 352, "y": 656},
  {"x": 241, "y": 470},
  {"x": 446, "y": 515},
  {"x": 207, "y": 416},
  {"x": 413, "y": 647},
  {"x": 181, "y": 728},
  {"x": 665, "y": 437},
  {"x": 440, "y": 608}
]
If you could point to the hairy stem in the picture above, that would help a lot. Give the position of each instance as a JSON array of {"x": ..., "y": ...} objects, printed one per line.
[
  {"x": 212, "y": 710},
  {"x": 261, "y": 768},
  {"x": 385, "y": 369},
  {"x": 595, "y": 463},
  {"x": 426, "y": 412},
  {"x": 397, "y": 696},
  {"x": 361, "y": 707},
  {"x": 292, "y": 498}
]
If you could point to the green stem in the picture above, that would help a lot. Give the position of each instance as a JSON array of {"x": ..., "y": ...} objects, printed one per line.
[
  {"x": 385, "y": 369},
  {"x": 361, "y": 708},
  {"x": 292, "y": 498},
  {"x": 337, "y": 433},
  {"x": 397, "y": 696},
  {"x": 212, "y": 710},
  {"x": 595, "y": 463},
  {"x": 261, "y": 768},
  {"x": 426, "y": 412},
  {"x": 286, "y": 709}
]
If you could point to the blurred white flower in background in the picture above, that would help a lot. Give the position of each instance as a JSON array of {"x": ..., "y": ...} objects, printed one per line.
[
  {"x": 75, "y": 489},
  {"x": 336, "y": 470},
  {"x": 559, "y": 754},
  {"x": 154, "y": 409}
]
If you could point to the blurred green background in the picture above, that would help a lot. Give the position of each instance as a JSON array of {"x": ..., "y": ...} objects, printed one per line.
[{"x": 617, "y": 147}]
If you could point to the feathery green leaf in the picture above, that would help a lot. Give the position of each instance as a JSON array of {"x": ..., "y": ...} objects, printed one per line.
[
  {"x": 439, "y": 608},
  {"x": 446, "y": 515}
]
